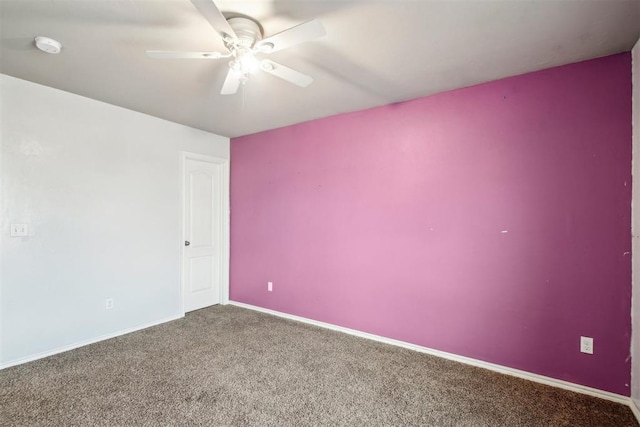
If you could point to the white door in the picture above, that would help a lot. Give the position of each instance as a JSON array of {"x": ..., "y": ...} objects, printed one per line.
[{"x": 202, "y": 216}]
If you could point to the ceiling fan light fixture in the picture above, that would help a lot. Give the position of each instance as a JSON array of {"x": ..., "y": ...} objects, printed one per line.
[
  {"x": 245, "y": 63},
  {"x": 48, "y": 45}
]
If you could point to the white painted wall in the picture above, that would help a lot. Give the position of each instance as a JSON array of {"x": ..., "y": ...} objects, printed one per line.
[
  {"x": 99, "y": 186},
  {"x": 635, "y": 231}
]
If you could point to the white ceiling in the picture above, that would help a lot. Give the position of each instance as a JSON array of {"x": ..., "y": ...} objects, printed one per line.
[{"x": 375, "y": 52}]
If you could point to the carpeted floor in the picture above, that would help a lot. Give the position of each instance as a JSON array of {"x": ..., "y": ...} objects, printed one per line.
[{"x": 230, "y": 366}]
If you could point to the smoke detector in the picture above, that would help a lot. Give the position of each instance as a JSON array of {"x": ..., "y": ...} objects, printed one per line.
[{"x": 48, "y": 45}]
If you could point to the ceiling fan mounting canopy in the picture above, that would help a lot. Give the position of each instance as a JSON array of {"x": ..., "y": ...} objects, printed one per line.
[
  {"x": 247, "y": 31},
  {"x": 243, "y": 38}
]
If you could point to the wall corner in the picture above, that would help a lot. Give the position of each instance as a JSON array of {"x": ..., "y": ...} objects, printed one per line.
[{"x": 635, "y": 227}]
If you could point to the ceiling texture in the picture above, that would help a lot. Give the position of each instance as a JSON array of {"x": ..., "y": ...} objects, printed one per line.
[{"x": 375, "y": 52}]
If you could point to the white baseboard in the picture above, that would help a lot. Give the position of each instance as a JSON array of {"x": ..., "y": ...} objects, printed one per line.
[
  {"x": 85, "y": 342},
  {"x": 462, "y": 359},
  {"x": 635, "y": 409}
]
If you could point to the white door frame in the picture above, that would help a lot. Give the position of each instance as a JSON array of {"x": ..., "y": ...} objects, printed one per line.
[{"x": 222, "y": 229}]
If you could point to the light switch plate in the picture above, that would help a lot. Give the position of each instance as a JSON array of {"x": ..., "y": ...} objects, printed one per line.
[{"x": 19, "y": 230}]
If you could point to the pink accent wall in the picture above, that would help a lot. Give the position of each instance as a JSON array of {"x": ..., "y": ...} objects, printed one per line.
[{"x": 491, "y": 222}]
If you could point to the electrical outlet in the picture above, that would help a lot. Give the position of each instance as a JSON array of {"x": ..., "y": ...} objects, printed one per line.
[
  {"x": 270, "y": 286},
  {"x": 108, "y": 304},
  {"x": 586, "y": 345}
]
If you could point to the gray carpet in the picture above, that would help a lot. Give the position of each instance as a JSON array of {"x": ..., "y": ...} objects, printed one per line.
[{"x": 230, "y": 366}]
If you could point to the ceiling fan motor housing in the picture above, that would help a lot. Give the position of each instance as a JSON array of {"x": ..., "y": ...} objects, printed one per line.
[{"x": 247, "y": 31}]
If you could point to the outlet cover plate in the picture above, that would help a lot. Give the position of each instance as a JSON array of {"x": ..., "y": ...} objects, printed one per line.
[{"x": 586, "y": 345}]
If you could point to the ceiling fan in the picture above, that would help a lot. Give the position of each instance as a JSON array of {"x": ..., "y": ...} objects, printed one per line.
[{"x": 242, "y": 36}]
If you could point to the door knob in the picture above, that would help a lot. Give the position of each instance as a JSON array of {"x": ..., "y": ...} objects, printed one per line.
[{"x": 187, "y": 243}]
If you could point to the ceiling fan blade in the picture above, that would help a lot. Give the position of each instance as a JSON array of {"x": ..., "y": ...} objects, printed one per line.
[
  {"x": 163, "y": 54},
  {"x": 286, "y": 73},
  {"x": 231, "y": 83},
  {"x": 295, "y": 35},
  {"x": 216, "y": 19}
]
